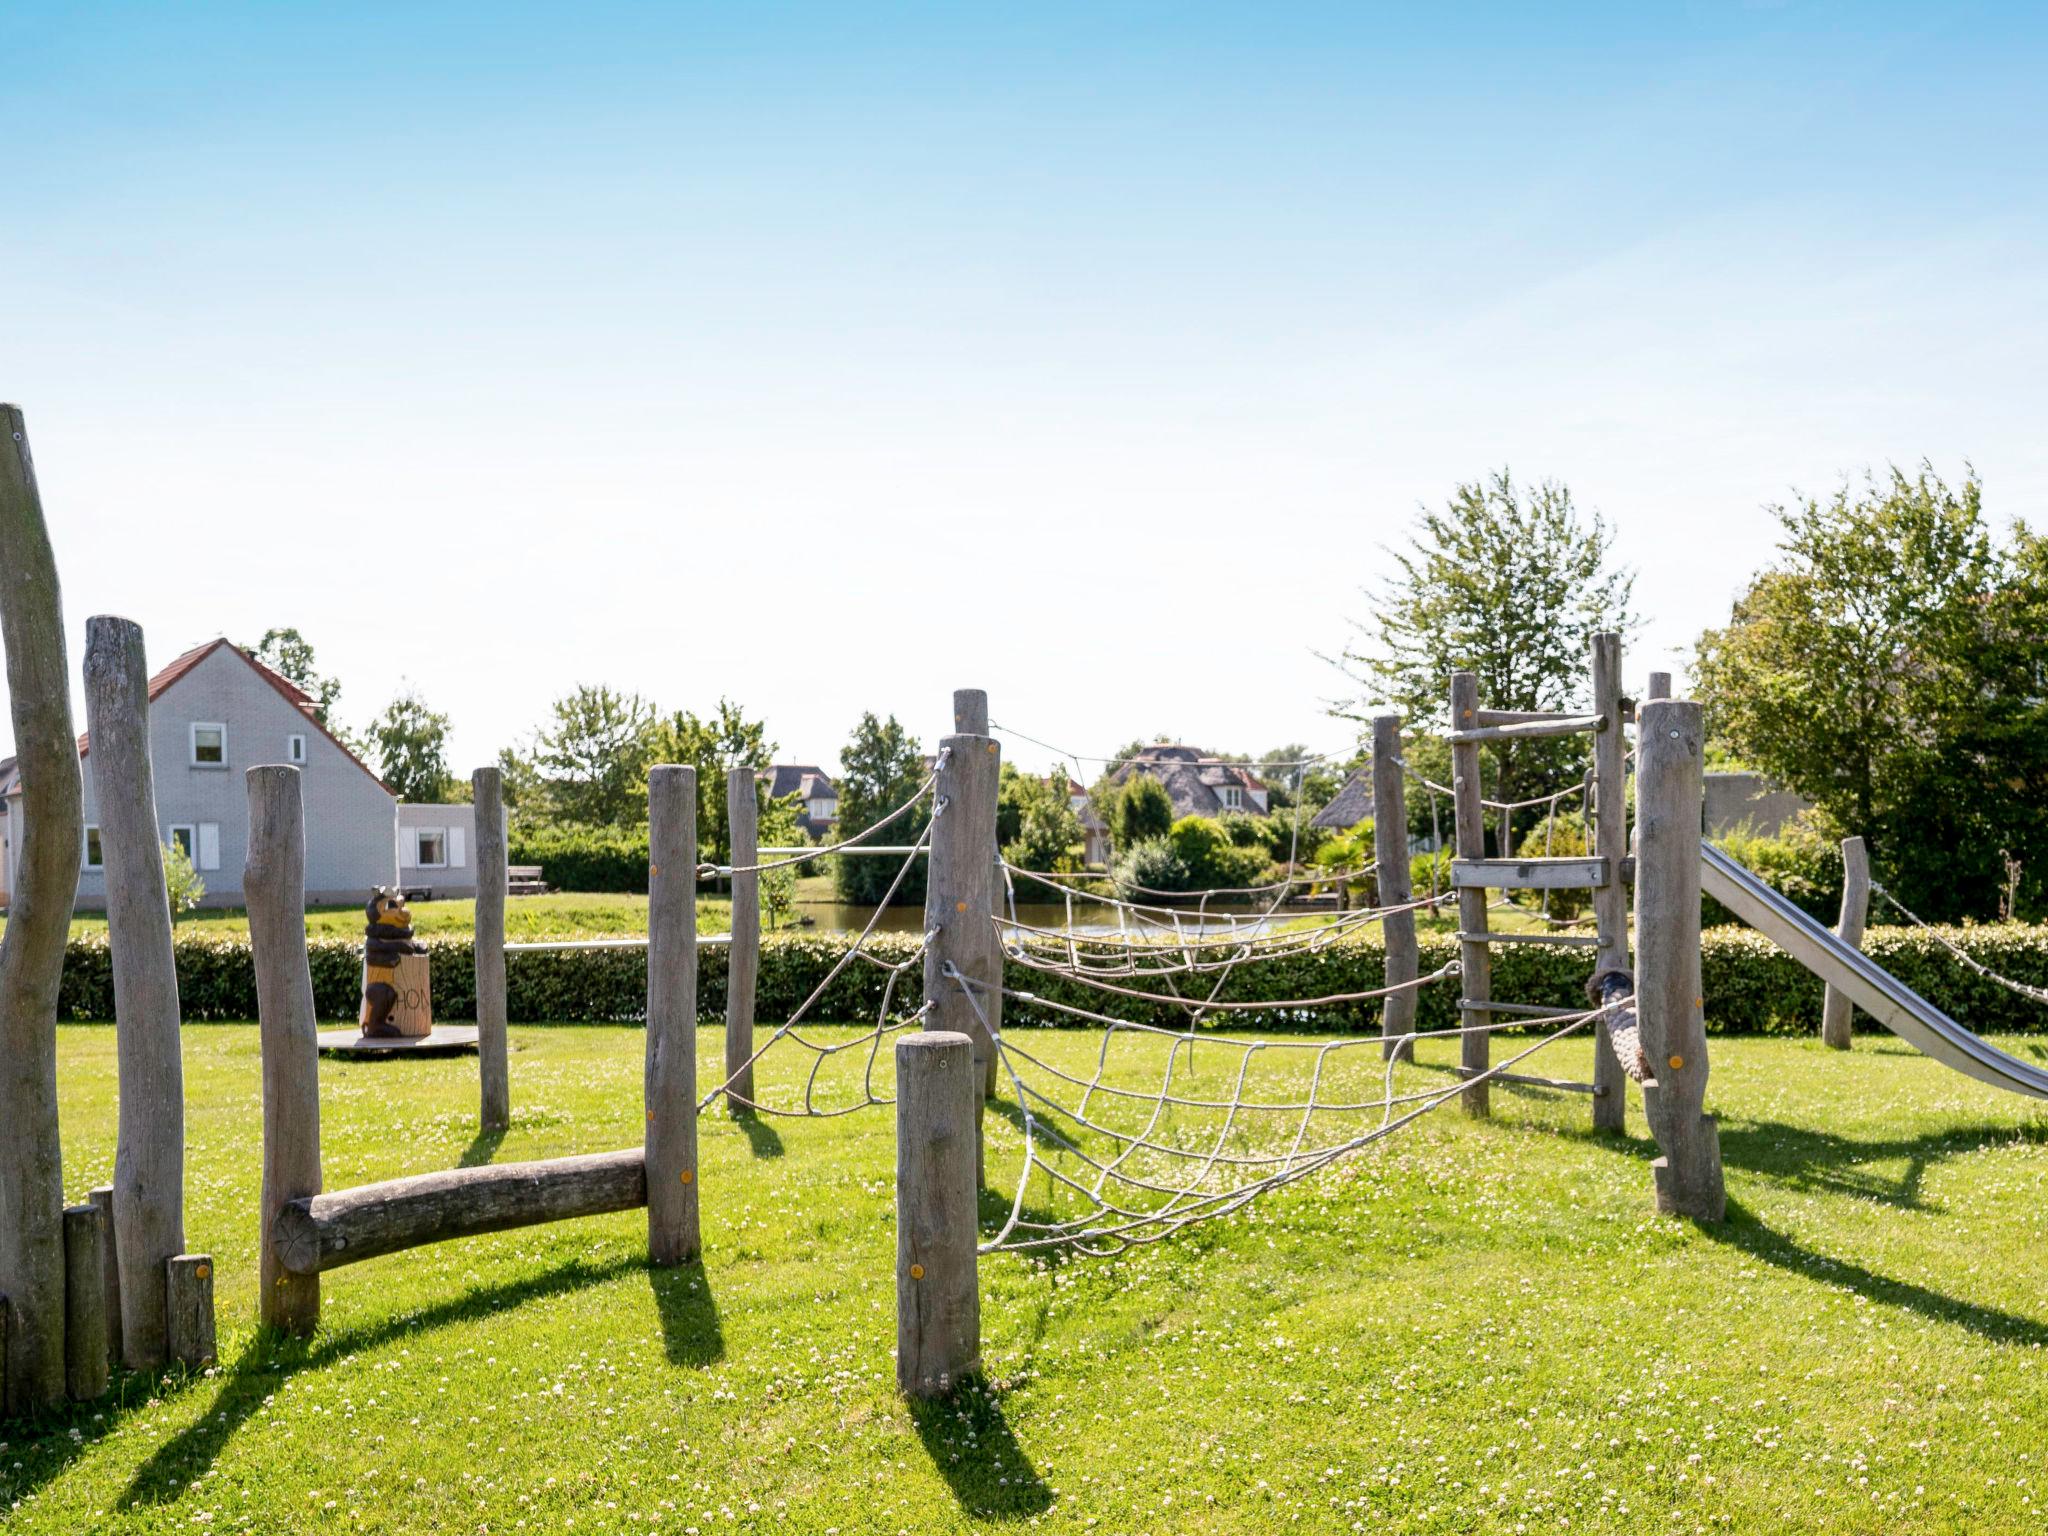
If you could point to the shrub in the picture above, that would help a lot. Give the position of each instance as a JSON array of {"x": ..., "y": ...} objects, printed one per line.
[
  {"x": 1561, "y": 837},
  {"x": 1213, "y": 861},
  {"x": 1151, "y": 865},
  {"x": 1351, "y": 851},
  {"x": 1802, "y": 863}
]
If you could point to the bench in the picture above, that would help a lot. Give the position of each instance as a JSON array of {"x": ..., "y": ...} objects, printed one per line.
[{"x": 525, "y": 880}]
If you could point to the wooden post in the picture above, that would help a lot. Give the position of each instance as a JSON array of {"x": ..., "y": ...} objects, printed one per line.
[
  {"x": 1475, "y": 960},
  {"x": 274, "y": 887},
  {"x": 1390, "y": 866},
  {"x": 970, "y": 718},
  {"x": 494, "y": 1074},
  {"x": 149, "y": 1154},
  {"x": 110, "y": 1280},
  {"x": 1660, "y": 686},
  {"x": 1836, "y": 1009},
  {"x": 85, "y": 1302},
  {"x": 1610, "y": 901},
  {"x": 188, "y": 1289},
  {"x": 938, "y": 1291},
  {"x": 1670, "y": 746},
  {"x": 743, "y": 957},
  {"x": 957, "y": 900},
  {"x": 38, "y": 927},
  {"x": 670, "y": 1085}
]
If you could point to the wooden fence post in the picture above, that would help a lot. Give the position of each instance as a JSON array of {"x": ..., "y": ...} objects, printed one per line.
[
  {"x": 1670, "y": 746},
  {"x": 1390, "y": 868},
  {"x": 188, "y": 1287},
  {"x": 38, "y": 928},
  {"x": 1659, "y": 686},
  {"x": 274, "y": 888},
  {"x": 957, "y": 901},
  {"x": 494, "y": 1073},
  {"x": 149, "y": 1152},
  {"x": 670, "y": 1086},
  {"x": 938, "y": 1291},
  {"x": 1474, "y": 958},
  {"x": 110, "y": 1280},
  {"x": 743, "y": 957},
  {"x": 970, "y": 718},
  {"x": 1836, "y": 1009},
  {"x": 1610, "y": 902},
  {"x": 85, "y": 1302}
]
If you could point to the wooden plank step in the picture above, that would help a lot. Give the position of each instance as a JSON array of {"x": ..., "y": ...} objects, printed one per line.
[
  {"x": 1529, "y": 874},
  {"x": 1531, "y": 730}
]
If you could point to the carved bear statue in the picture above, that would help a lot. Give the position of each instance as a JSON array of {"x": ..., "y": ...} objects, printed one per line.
[{"x": 388, "y": 941}]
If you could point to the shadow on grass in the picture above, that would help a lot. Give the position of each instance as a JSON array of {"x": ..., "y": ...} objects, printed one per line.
[
  {"x": 690, "y": 1329},
  {"x": 970, "y": 1443},
  {"x": 1742, "y": 1230},
  {"x": 762, "y": 1138},
  {"x": 272, "y": 1358},
  {"x": 482, "y": 1149},
  {"x": 1801, "y": 1158}
]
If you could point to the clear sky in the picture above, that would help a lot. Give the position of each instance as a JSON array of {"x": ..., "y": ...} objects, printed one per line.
[{"x": 832, "y": 356}]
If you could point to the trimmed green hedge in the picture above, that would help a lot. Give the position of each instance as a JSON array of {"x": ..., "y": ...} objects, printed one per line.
[
  {"x": 1752, "y": 987},
  {"x": 585, "y": 859}
]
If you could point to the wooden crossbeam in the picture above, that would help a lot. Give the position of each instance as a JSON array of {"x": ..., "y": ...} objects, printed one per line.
[{"x": 1529, "y": 874}]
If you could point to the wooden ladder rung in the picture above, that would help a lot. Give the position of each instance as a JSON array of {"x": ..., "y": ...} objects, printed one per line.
[
  {"x": 1529, "y": 874},
  {"x": 1530, "y": 730},
  {"x": 1519, "y": 1010},
  {"x": 1560, "y": 1084}
]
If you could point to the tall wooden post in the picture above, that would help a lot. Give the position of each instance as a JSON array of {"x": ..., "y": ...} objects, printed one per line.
[
  {"x": 670, "y": 1085},
  {"x": 149, "y": 1151},
  {"x": 970, "y": 718},
  {"x": 1836, "y": 1009},
  {"x": 1474, "y": 958},
  {"x": 957, "y": 900},
  {"x": 38, "y": 926},
  {"x": 85, "y": 1302},
  {"x": 743, "y": 958},
  {"x": 1670, "y": 750},
  {"x": 1610, "y": 901},
  {"x": 274, "y": 887},
  {"x": 110, "y": 1273},
  {"x": 494, "y": 1075},
  {"x": 938, "y": 1290},
  {"x": 1390, "y": 868}
]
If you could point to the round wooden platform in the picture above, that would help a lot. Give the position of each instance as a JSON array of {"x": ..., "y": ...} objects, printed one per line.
[{"x": 446, "y": 1040}]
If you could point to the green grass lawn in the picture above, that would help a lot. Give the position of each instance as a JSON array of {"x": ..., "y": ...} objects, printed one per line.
[
  {"x": 1476, "y": 1327},
  {"x": 559, "y": 915}
]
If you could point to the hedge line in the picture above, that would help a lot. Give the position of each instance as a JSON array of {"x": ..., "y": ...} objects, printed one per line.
[
  {"x": 1752, "y": 987},
  {"x": 585, "y": 859}
]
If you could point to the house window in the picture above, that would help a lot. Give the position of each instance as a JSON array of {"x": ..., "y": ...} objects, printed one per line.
[
  {"x": 209, "y": 744},
  {"x": 1233, "y": 797},
  {"x": 295, "y": 748},
  {"x": 430, "y": 848},
  {"x": 186, "y": 838},
  {"x": 92, "y": 849}
]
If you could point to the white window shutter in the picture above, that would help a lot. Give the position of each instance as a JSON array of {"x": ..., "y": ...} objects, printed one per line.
[
  {"x": 408, "y": 847},
  {"x": 458, "y": 855},
  {"x": 209, "y": 845}
]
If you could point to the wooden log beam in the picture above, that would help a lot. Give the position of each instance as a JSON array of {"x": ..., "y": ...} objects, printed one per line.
[
  {"x": 149, "y": 1149},
  {"x": 1609, "y": 813},
  {"x": 1566, "y": 940},
  {"x": 1528, "y": 730},
  {"x": 1391, "y": 872},
  {"x": 1557, "y": 1084},
  {"x": 743, "y": 961},
  {"x": 1836, "y": 1008},
  {"x": 85, "y": 1302},
  {"x": 1469, "y": 845},
  {"x": 938, "y": 1289},
  {"x": 274, "y": 888},
  {"x": 669, "y": 1083},
  {"x": 1529, "y": 874},
  {"x": 494, "y": 1074},
  {"x": 958, "y": 899},
  {"x": 970, "y": 718},
  {"x": 1670, "y": 754},
  {"x": 38, "y": 928},
  {"x": 346, "y": 1226},
  {"x": 188, "y": 1292}
]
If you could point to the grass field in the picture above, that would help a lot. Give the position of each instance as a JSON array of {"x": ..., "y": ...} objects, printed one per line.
[{"x": 1477, "y": 1327}]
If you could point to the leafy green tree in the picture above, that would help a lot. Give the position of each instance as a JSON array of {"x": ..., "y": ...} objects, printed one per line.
[
  {"x": 724, "y": 741},
  {"x": 1142, "y": 810},
  {"x": 1212, "y": 860},
  {"x": 1511, "y": 583},
  {"x": 1284, "y": 769},
  {"x": 1047, "y": 828},
  {"x": 1891, "y": 668},
  {"x": 880, "y": 768},
  {"x": 290, "y": 655},
  {"x": 592, "y": 757},
  {"x": 410, "y": 743},
  {"x": 777, "y": 828},
  {"x": 183, "y": 887}
]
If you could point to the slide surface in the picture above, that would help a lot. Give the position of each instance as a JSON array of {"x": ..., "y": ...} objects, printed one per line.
[{"x": 1872, "y": 988}]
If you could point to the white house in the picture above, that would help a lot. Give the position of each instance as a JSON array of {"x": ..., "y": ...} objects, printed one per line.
[{"x": 216, "y": 711}]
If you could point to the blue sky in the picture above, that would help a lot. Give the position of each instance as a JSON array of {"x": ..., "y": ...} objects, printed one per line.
[{"x": 830, "y": 357}]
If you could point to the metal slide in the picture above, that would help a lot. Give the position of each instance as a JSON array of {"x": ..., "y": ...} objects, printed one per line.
[{"x": 1872, "y": 988}]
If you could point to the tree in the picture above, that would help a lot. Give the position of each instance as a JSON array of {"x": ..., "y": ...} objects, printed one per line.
[
  {"x": 1507, "y": 582},
  {"x": 410, "y": 743},
  {"x": 712, "y": 746},
  {"x": 1284, "y": 770},
  {"x": 777, "y": 828},
  {"x": 290, "y": 655},
  {"x": 183, "y": 887},
  {"x": 880, "y": 768},
  {"x": 1143, "y": 810},
  {"x": 592, "y": 757},
  {"x": 1047, "y": 828},
  {"x": 1890, "y": 668}
]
